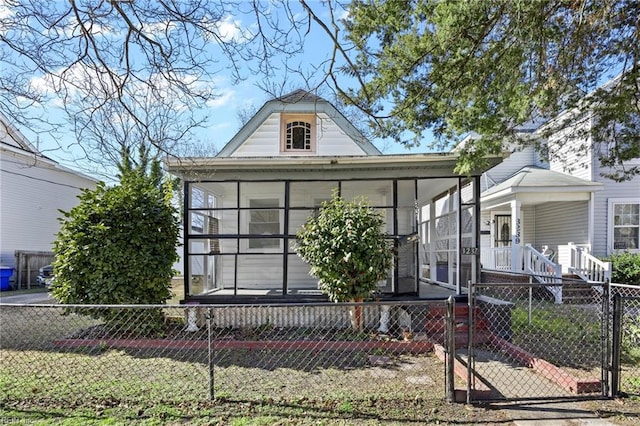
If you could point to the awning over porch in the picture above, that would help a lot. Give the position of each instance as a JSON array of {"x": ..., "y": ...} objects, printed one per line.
[
  {"x": 533, "y": 185},
  {"x": 527, "y": 217}
]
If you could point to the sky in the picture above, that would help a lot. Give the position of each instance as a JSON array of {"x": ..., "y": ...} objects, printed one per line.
[{"x": 232, "y": 98}]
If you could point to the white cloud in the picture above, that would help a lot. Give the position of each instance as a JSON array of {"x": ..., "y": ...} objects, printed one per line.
[
  {"x": 228, "y": 29},
  {"x": 5, "y": 10},
  {"x": 226, "y": 97}
]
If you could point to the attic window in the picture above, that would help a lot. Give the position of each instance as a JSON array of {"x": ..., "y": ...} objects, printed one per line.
[{"x": 298, "y": 133}]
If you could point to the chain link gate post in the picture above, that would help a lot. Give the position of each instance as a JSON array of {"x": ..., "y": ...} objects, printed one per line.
[
  {"x": 450, "y": 343},
  {"x": 470, "y": 350},
  {"x": 210, "y": 352},
  {"x": 605, "y": 338},
  {"x": 616, "y": 345}
]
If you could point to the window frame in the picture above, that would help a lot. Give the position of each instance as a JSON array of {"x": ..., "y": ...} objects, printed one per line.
[
  {"x": 279, "y": 209},
  {"x": 309, "y": 119},
  {"x": 613, "y": 202}
]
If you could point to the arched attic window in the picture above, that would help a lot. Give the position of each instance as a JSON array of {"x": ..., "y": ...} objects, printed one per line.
[{"x": 298, "y": 133}]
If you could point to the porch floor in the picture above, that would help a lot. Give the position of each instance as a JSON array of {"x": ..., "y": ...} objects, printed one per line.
[{"x": 425, "y": 291}]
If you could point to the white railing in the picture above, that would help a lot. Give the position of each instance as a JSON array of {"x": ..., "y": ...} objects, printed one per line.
[
  {"x": 497, "y": 258},
  {"x": 544, "y": 270},
  {"x": 587, "y": 266}
]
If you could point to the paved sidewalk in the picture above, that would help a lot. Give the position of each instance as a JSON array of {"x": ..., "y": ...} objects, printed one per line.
[
  {"x": 27, "y": 298},
  {"x": 550, "y": 413}
]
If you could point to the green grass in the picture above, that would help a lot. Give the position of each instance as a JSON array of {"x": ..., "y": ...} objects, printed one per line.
[
  {"x": 136, "y": 387},
  {"x": 563, "y": 335}
]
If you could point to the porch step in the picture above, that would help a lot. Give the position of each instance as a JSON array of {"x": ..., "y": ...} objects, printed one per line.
[
  {"x": 435, "y": 325},
  {"x": 577, "y": 293}
]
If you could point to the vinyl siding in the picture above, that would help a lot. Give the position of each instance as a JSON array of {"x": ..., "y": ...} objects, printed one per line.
[
  {"x": 528, "y": 216},
  {"x": 330, "y": 140},
  {"x": 264, "y": 142},
  {"x": 626, "y": 190},
  {"x": 566, "y": 160},
  {"x": 508, "y": 168},
  {"x": 560, "y": 223},
  {"x": 30, "y": 195}
]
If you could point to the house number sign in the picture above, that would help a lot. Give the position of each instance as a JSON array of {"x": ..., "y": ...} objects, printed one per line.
[{"x": 470, "y": 251}]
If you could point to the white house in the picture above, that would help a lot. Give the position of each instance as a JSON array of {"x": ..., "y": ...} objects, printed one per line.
[
  {"x": 32, "y": 190},
  {"x": 244, "y": 206},
  {"x": 557, "y": 217}
]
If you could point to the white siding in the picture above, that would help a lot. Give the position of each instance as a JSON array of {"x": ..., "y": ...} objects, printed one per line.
[
  {"x": 601, "y": 225},
  {"x": 508, "y": 168},
  {"x": 332, "y": 140},
  {"x": 567, "y": 158},
  {"x": 266, "y": 140},
  {"x": 528, "y": 216},
  {"x": 31, "y": 194},
  {"x": 559, "y": 223}
]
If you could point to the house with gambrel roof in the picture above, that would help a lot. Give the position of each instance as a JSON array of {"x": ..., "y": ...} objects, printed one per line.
[{"x": 244, "y": 206}]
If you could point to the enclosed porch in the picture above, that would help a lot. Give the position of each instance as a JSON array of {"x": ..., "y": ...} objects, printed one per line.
[{"x": 242, "y": 215}]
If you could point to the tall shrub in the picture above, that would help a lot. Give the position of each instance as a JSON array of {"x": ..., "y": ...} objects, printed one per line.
[
  {"x": 346, "y": 248},
  {"x": 118, "y": 245},
  {"x": 625, "y": 268}
]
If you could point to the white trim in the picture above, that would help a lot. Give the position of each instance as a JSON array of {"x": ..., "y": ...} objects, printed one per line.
[
  {"x": 611, "y": 202},
  {"x": 310, "y": 119},
  {"x": 591, "y": 220},
  {"x": 247, "y": 198}
]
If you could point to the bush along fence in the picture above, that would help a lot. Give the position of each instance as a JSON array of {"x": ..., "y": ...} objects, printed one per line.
[{"x": 516, "y": 340}]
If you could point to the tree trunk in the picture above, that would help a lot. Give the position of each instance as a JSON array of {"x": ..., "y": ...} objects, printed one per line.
[{"x": 356, "y": 315}]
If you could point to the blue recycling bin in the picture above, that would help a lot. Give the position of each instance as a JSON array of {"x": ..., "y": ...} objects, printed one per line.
[{"x": 5, "y": 274}]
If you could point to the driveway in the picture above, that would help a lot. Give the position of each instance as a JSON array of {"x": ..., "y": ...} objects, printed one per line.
[{"x": 27, "y": 298}]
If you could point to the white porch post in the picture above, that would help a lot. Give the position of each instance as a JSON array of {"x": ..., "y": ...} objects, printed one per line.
[
  {"x": 433, "y": 258},
  {"x": 590, "y": 224},
  {"x": 516, "y": 235}
]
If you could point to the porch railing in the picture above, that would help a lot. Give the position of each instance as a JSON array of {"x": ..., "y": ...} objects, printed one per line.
[
  {"x": 544, "y": 270},
  {"x": 497, "y": 258},
  {"x": 585, "y": 265}
]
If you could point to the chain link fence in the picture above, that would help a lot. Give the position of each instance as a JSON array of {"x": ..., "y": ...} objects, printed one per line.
[
  {"x": 197, "y": 352},
  {"x": 526, "y": 345},
  {"x": 625, "y": 369},
  {"x": 518, "y": 341}
]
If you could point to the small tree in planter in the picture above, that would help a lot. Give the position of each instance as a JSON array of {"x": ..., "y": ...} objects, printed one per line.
[{"x": 347, "y": 250}]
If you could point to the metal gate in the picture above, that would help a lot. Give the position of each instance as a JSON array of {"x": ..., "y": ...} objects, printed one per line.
[
  {"x": 625, "y": 338},
  {"x": 522, "y": 345}
]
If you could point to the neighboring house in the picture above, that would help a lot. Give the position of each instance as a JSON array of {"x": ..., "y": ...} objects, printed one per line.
[
  {"x": 556, "y": 218},
  {"x": 243, "y": 207},
  {"x": 32, "y": 190}
]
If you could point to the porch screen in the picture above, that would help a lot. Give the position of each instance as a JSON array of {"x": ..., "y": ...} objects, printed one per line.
[{"x": 264, "y": 221}]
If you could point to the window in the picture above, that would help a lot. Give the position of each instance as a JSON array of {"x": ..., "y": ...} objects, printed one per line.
[
  {"x": 264, "y": 219},
  {"x": 298, "y": 133},
  {"x": 624, "y": 217}
]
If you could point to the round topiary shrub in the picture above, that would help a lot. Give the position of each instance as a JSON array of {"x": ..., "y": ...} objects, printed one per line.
[{"x": 346, "y": 248}]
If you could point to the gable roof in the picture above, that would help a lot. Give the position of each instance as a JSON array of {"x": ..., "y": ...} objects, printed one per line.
[
  {"x": 10, "y": 135},
  {"x": 298, "y": 101},
  {"x": 535, "y": 179}
]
